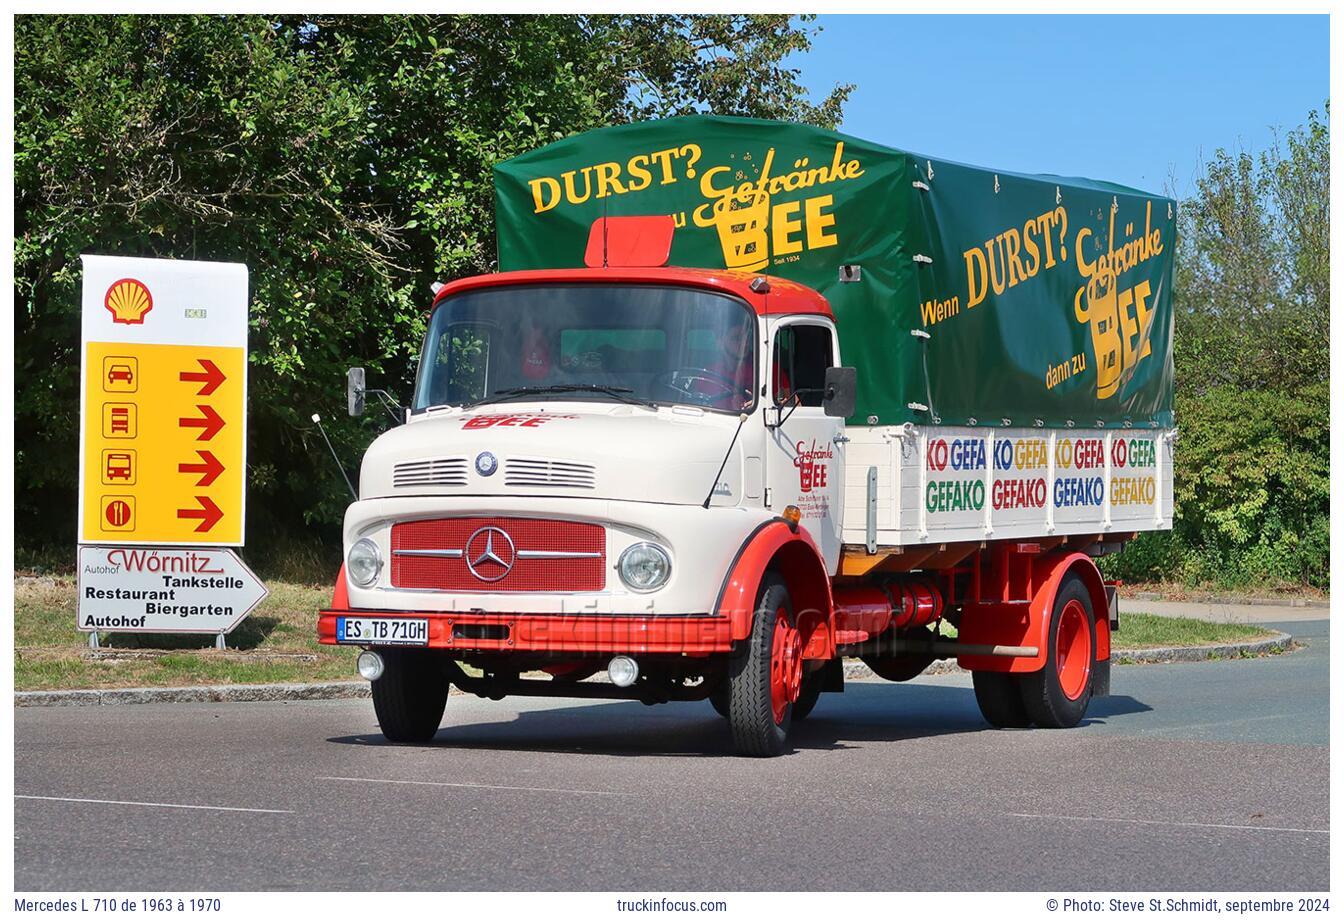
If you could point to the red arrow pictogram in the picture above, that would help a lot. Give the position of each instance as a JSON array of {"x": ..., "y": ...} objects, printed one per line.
[
  {"x": 210, "y": 380},
  {"x": 210, "y": 423},
  {"x": 209, "y": 468},
  {"x": 209, "y": 513}
]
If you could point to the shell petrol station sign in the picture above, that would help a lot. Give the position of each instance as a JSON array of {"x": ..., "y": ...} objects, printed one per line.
[{"x": 164, "y": 402}]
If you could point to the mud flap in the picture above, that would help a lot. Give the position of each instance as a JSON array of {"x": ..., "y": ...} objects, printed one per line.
[{"x": 833, "y": 676}]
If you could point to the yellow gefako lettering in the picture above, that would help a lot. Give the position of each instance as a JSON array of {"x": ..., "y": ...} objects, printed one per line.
[
  {"x": 664, "y": 160},
  {"x": 640, "y": 177},
  {"x": 607, "y": 183},
  {"x": 1142, "y": 292},
  {"x": 782, "y": 229},
  {"x": 1013, "y": 243},
  {"x": 1129, "y": 328},
  {"x": 997, "y": 269},
  {"x": 817, "y": 222},
  {"x": 540, "y": 189},
  {"x": 977, "y": 280},
  {"x": 1047, "y": 223},
  {"x": 571, "y": 193},
  {"x": 1033, "y": 252},
  {"x": 1085, "y": 268}
]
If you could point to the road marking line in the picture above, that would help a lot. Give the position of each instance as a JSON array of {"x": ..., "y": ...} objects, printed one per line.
[
  {"x": 1230, "y": 827},
  {"x": 56, "y": 798},
  {"x": 416, "y": 782}
]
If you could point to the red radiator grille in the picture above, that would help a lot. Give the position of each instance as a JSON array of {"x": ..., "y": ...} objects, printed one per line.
[{"x": 508, "y": 554}]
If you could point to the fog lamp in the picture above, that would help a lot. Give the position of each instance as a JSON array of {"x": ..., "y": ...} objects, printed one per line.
[
  {"x": 623, "y": 671},
  {"x": 370, "y": 665}
]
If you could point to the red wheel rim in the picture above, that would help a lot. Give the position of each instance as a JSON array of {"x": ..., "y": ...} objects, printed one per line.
[
  {"x": 786, "y": 666},
  {"x": 1073, "y": 650}
]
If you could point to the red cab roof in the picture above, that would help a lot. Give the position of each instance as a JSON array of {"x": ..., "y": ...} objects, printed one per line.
[{"x": 781, "y": 297}]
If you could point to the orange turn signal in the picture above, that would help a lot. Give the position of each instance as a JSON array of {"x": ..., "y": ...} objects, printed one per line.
[{"x": 792, "y": 515}]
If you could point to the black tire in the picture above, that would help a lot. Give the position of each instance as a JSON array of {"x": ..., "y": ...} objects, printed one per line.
[
  {"x": 410, "y": 697},
  {"x": 808, "y": 694},
  {"x": 719, "y": 700},
  {"x": 1043, "y": 695},
  {"x": 751, "y": 716},
  {"x": 1000, "y": 699}
]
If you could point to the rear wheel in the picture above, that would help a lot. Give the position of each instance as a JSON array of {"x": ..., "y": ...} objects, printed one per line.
[
  {"x": 410, "y": 696},
  {"x": 1057, "y": 695},
  {"x": 1000, "y": 699},
  {"x": 763, "y": 683}
]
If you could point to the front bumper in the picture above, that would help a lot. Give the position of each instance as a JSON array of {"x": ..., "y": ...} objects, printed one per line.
[{"x": 563, "y": 634}]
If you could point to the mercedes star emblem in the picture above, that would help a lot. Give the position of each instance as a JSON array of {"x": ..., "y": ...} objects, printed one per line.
[{"x": 490, "y": 554}]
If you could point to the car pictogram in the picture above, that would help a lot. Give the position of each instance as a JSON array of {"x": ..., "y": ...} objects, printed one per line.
[{"x": 120, "y": 372}]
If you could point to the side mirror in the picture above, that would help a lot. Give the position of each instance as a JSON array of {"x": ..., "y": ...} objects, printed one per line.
[
  {"x": 354, "y": 390},
  {"x": 841, "y": 391}
]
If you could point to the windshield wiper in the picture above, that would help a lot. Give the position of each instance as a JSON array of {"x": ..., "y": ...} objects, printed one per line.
[{"x": 620, "y": 393}]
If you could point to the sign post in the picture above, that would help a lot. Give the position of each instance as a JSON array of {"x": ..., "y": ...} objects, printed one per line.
[{"x": 163, "y": 423}]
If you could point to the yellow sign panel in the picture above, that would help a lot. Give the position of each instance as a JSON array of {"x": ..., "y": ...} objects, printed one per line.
[{"x": 163, "y": 442}]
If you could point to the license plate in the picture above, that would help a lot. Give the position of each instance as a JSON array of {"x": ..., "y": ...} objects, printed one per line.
[{"x": 382, "y": 630}]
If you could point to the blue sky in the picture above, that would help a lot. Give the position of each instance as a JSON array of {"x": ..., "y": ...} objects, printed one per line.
[{"x": 1129, "y": 99}]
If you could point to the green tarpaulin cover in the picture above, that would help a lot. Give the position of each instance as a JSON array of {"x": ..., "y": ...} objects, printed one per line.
[{"x": 963, "y": 295}]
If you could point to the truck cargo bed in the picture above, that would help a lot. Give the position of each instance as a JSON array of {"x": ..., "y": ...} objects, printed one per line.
[{"x": 918, "y": 486}]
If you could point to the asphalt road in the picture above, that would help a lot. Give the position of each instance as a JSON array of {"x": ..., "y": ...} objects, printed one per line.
[{"x": 1210, "y": 775}]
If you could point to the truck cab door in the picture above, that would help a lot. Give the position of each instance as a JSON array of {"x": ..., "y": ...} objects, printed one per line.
[{"x": 805, "y": 463}]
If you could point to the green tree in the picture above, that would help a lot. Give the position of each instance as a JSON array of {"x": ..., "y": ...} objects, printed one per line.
[
  {"x": 1252, "y": 372},
  {"x": 346, "y": 160}
]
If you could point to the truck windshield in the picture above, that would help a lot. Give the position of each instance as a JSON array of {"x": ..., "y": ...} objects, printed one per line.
[{"x": 644, "y": 343}]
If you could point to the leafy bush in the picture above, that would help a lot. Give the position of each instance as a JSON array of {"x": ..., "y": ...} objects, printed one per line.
[{"x": 347, "y": 161}]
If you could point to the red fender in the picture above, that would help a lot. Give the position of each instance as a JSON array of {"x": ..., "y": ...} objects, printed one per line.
[
  {"x": 1029, "y": 623},
  {"x": 775, "y": 545}
]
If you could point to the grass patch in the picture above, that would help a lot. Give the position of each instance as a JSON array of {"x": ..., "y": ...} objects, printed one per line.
[
  {"x": 276, "y": 644},
  {"x": 1144, "y": 630}
]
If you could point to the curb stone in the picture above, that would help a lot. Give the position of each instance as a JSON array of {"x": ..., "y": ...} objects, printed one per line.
[
  {"x": 1231, "y": 601},
  {"x": 241, "y": 693},
  {"x": 348, "y": 690}
]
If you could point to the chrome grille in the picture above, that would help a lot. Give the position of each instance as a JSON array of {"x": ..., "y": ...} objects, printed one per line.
[
  {"x": 520, "y": 471},
  {"x": 441, "y": 471}
]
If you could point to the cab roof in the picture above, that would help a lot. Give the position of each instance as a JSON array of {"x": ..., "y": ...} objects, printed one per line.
[{"x": 780, "y": 297}]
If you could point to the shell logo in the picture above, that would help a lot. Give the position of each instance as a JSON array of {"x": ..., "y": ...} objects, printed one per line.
[{"x": 128, "y": 301}]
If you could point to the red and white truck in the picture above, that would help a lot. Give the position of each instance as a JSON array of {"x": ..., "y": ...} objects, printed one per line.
[{"x": 868, "y": 406}]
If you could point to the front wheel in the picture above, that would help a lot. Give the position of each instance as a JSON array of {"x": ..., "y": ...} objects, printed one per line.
[
  {"x": 763, "y": 683},
  {"x": 1057, "y": 695},
  {"x": 808, "y": 694},
  {"x": 410, "y": 696}
]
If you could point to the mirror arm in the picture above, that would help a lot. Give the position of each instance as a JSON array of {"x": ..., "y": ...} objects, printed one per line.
[{"x": 390, "y": 404}]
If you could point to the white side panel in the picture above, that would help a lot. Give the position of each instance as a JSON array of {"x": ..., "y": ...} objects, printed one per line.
[{"x": 946, "y": 485}]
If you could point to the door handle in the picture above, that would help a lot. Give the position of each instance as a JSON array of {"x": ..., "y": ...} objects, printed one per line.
[{"x": 840, "y": 439}]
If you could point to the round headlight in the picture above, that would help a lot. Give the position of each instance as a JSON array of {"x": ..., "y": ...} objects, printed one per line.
[
  {"x": 364, "y": 563},
  {"x": 644, "y": 567}
]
